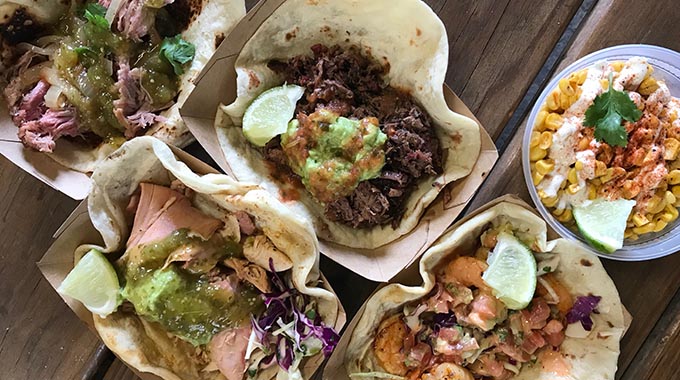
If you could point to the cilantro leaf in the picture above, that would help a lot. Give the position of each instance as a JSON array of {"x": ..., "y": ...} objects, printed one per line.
[
  {"x": 608, "y": 111},
  {"x": 95, "y": 13},
  {"x": 178, "y": 52}
]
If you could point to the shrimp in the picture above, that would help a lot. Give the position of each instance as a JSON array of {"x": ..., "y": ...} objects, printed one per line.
[
  {"x": 447, "y": 371},
  {"x": 389, "y": 343},
  {"x": 466, "y": 271},
  {"x": 564, "y": 301}
]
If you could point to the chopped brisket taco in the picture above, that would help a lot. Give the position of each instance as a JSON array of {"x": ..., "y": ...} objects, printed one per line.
[
  {"x": 80, "y": 78},
  {"x": 498, "y": 302},
  {"x": 200, "y": 277},
  {"x": 344, "y": 117}
]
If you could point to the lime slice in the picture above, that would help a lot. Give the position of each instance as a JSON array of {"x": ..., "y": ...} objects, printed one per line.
[
  {"x": 94, "y": 282},
  {"x": 268, "y": 115},
  {"x": 602, "y": 222},
  {"x": 511, "y": 272}
]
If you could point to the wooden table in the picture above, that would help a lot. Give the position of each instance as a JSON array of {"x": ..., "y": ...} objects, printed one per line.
[{"x": 501, "y": 55}]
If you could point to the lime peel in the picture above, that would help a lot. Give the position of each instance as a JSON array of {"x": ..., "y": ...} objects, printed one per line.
[
  {"x": 94, "y": 282},
  {"x": 511, "y": 272},
  {"x": 603, "y": 223},
  {"x": 268, "y": 115}
]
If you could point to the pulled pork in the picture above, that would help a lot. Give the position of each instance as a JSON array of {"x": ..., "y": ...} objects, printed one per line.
[{"x": 351, "y": 84}]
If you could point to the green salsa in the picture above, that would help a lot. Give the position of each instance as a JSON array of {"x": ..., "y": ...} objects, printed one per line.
[
  {"x": 188, "y": 303},
  {"x": 85, "y": 63},
  {"x": 333, "y": 154}
]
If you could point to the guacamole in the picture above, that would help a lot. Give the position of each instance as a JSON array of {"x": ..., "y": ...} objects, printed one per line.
[
  {"x": 332, "y": 154},
  {"x": 188, "y": 302}
]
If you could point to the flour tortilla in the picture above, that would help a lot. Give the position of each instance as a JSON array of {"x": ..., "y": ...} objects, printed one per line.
[
  {"x": 410, "y": 37},
  {"x": 146, "y": 346},
  {"x": 206, "y": 30},
  {"x": 592, "y": 357}
]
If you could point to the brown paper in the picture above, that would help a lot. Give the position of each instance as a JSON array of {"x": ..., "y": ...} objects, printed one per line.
[
  {"x": 78, "y": 230},
  {"x": 410, "y": 276},
  {"x": 217, "y": 84}
]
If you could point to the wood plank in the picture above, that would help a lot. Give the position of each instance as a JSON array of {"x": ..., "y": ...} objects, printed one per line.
[
  {"x": 495, "y": 50},
  {"x": 645, "y": 288},
  {"x": 659, "y": 357},
  {"x": 40, "y": 338}
]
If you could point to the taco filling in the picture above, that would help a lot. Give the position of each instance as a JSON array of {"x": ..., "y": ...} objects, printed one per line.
[
  {"x": 217, "y": 286},
  {"x": 102, "y": 73},
  {"x": 358, "y": 145},
  {"x": 463, "y": 330}
]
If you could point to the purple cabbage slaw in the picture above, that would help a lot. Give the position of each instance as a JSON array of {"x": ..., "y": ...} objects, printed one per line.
[
  {"x": 290, "y": 327},
  {"x": 583, "y": 307}
]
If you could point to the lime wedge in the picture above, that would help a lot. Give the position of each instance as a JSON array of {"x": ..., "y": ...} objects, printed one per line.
[
  {"x": 511, "y": 272},
  {"x": 602, "y": 222},
  {"x": 268, "y": 115},
  {"x": 94, "y": 282}
]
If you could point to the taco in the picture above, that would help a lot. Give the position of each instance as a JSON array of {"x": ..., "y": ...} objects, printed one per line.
[
  {"x": 80, "y": 78},
  {"x": 461, "y": 325},
  {"x": 217, "y": 280},
  {"x": 370, "y": 141}
]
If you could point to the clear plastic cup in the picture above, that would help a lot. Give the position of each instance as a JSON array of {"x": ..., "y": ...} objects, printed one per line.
[{"x": 666, "y": 65}]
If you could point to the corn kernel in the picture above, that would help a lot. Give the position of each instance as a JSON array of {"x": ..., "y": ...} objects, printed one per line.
[
  {"x": 672, "y": 147},
  {"x": 540, "y": 118},
  {"x": 647, "y": 228},
  {"x": 578, "y": 165},
  {"x": 536, "y": 177},
  {"x": 628, "y": 233},
  {"x": 673, "y": 211},
  {"x": 565, "y": 87},
  {"x": 583, "y": 143},
  {"x": 666, "y": 217},
  {"x": 581, "y": 76},
  {"x": 674, "y": 177},
  {"x": 535, "y": 138},
  {"x": 650, "y": 70},
  {"x": 545, "y": 140},
  {"x": 607, "y": 176},
  {"x": 553, "y": 121},
  {"x": 565, "y": 216},
  {"x": 536, "y": 153},
  {"x": 617, "y": 65},
  {"x": 669, "y": 197},
  {"x": 648, "y": 86},
  {"x": 545, "y": 166},
  {"x": 572, "y": 177},
  {"x": 553, "y": 101},
  {"x": 604, "y": 83},
  {"x": 640, "y": 220},
  {"x": 565, "y": 101},
  {"x": 573, "y": 188},
  {"x": 600, "y": 168},
  {"x": 659, "y": 225},
  {"x": 676, "y": 191},
  {"x": 592, "y": 192},
  {"x": 655, "y": 204},
  {"x": 550, "y": 201},
  {"x": 558, "y": 211}
]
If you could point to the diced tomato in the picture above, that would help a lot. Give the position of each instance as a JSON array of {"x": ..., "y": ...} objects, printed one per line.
[
  {"x": 533, "y": 342},
  {"x": 536, "y": 317},
  {"x": 554, "y": 333}
]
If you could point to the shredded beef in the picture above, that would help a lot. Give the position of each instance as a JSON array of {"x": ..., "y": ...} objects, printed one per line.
[{"x": 351, "y": 84}]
